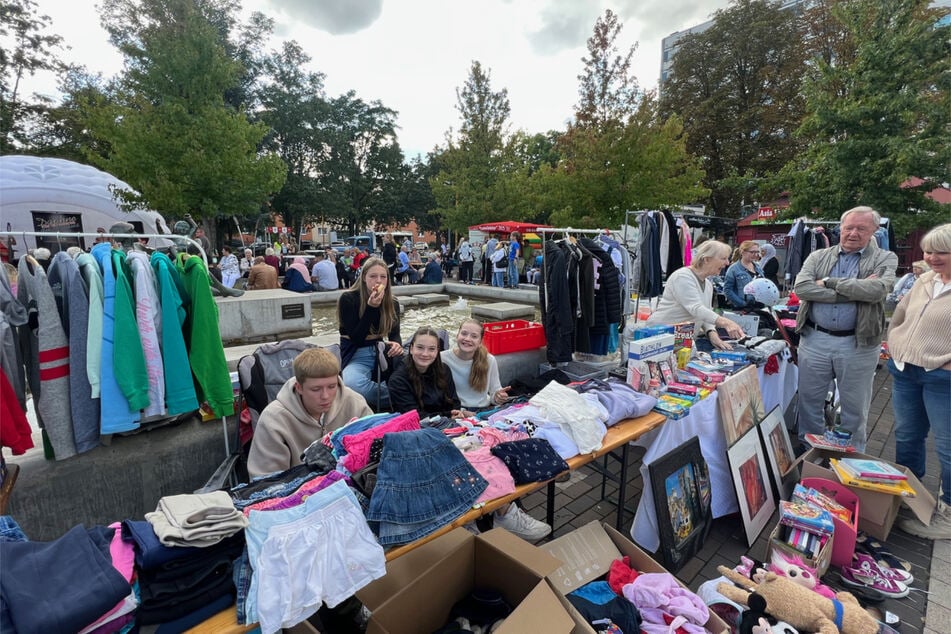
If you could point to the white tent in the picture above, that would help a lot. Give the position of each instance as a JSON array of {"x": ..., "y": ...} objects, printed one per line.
[{"x": 59, "y": 196}]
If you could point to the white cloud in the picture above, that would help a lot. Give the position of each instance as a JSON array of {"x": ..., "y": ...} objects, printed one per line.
[{"x": 413, "y": 54}]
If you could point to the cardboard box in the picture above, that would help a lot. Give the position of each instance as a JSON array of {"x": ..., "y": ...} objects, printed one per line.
[
  {"x": 877, "y": 511},
  {"x": 420, "y": 588},
  {"x": 588, "y": 553},
  {"x": 820, "y": 562}
]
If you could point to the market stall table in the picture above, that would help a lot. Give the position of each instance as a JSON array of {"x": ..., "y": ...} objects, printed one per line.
[
  {"x": 703, "y": 422},
  {"x": 619, "y": 436}
]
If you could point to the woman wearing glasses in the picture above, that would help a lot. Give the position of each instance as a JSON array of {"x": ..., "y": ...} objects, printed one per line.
[{"x": 743, "y": 270}]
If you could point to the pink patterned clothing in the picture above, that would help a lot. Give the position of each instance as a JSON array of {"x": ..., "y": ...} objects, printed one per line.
[
  {"x": 494, "y": 471},
  {"x": 148, "y": 315},
  {"x": 297, "y": 497},
  {"x": 358, "y": 445},
  {"x": 492, "y": 436}
]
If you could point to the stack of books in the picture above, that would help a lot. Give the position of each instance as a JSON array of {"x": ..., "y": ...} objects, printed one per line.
[
  {"x": 814, "y": 497},
  {"x": 874, "y": 475},
  {"x": 806, "y": 527}
]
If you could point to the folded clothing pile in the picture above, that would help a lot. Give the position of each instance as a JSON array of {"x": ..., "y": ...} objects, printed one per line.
[{"x": 196, "y": 519}]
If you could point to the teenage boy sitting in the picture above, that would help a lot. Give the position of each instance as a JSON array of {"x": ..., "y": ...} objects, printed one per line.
[{"x": 312, "y": 403}]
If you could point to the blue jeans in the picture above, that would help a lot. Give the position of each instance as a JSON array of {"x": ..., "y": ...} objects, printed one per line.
[
  {"x": 922, "y": 402},
  {"x": 498, "y": 278},
  {"x": 359, "y": 375},
  {"x": 513, "y": 273}
]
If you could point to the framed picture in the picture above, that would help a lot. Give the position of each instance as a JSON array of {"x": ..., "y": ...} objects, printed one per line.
[
  {"x": 779, "y": 451},
  {"x": 751, "y": 481},
  {"x": 680, "y": 484},
  {"x": 741, "y": 404}
]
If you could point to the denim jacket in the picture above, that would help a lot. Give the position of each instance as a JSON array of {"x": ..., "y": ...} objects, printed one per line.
[
  {"x": 868, "y": 294},
  {"x": 736, "y": 279}
]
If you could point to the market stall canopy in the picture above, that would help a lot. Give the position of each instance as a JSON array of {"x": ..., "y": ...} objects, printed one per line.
[
  {"x": 507, "y": 226},
  {"x": 533, "y": 239}
]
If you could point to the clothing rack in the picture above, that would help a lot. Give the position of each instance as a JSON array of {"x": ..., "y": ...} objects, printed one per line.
[{"x": 59, "y": 236}]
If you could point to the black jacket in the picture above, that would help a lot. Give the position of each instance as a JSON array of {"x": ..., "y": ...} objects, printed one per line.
[{"x": 435, "y": 401}]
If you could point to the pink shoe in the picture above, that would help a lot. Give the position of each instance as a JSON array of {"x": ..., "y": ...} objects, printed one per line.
[
  {"x": 861, "y": 561},
  {"x": 873, "y": 579}
]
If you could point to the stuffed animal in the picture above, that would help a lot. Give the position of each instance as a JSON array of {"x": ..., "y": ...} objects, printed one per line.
[
  {"x": 755, "y": 620},
  {"x": 800, "y": 607},
  {"x": 796, "y": 569}
]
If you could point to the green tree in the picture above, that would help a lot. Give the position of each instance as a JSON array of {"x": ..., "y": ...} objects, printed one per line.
[
  {"x": 467, "y": 189},
  {"x": 362, "y": 172},
  {"x": 618, "y": 154},
  {"x": 609, "y": 92},
  {"x": 294, "y": 106},
  {"x": 25, "y": 49},
  {"x": 736, "y": 86},
  {"x": 170, "y": 132},
  {"x": 878, "y": 116}
]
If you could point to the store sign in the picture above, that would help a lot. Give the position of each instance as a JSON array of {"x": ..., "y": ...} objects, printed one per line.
[
  {"x": 58, "y": 223},
  {"x": 277, "y": 230},
  {"x": 766, "y": 213}
]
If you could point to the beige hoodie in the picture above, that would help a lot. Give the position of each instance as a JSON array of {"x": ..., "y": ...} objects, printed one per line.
[{"x": 285, "y": 429}]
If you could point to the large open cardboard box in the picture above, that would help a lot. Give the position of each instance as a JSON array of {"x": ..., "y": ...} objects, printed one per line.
[
  {"x": 420, "y": 588},
  {"x": 877, "y": 511},
  {"x": 588, "y": 553}
]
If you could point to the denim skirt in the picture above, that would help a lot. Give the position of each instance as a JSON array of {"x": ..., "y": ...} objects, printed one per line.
[{"x": 423, "y": 483}]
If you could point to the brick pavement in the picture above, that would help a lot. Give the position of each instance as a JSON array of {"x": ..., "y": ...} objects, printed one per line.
[{"x": 926, "y": 609}]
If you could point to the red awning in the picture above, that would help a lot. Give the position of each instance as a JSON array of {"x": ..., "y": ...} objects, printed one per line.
[{"x": 507, "y": 226}]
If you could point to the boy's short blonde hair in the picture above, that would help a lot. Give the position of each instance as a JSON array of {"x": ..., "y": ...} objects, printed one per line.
[{"x": 315, "y": 363}]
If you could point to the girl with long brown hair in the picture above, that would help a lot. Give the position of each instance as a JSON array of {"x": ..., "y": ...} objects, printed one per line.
[
  {"x": 423, "y": 382},
  {"x": 367, "y": 314},
  {"x": 474, "y": 370}
]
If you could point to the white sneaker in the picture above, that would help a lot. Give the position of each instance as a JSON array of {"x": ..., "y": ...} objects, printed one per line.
[
  {"x": 940, "y": 527},
  {"x": 522, "y": 524}
]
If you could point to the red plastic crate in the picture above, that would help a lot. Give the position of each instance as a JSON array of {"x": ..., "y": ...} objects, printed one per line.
[{"x": 515, "y": 335}]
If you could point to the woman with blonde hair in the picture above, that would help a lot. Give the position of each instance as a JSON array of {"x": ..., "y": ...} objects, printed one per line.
[
  {"x": 368, "y": 314},
  {"x": 475, "y": 375},
  {"x": 474, "y": 370},
  {"x": 920, "y": 366},
  {"x": 688, "y": 295},
  {"x": 743, "y": 270}
]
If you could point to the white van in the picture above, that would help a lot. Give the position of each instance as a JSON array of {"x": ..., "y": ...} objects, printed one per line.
[{"x": 63, "y": 197}]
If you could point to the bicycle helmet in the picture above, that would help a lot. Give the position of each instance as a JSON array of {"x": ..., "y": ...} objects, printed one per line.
[{"x": 763, "y": 290}]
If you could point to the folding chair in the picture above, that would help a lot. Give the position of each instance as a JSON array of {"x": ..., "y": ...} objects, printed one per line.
[{"x": 261, "y": 375}]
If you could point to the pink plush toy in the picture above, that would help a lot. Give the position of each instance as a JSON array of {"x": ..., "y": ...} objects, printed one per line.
[{"x": 796, "y": 569}]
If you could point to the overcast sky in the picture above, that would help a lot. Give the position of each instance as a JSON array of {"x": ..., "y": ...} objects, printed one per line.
[{"x": 413, "y": 54}]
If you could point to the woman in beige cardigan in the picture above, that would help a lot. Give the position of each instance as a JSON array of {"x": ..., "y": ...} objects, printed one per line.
[{"x": 921, "y": 369}]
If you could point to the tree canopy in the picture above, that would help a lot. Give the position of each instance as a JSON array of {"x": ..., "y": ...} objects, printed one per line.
[
  {"x": 878, "y": 115},
  {"x": 736, "y": 86}
]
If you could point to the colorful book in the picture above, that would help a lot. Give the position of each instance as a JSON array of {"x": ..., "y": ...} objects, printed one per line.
[
  {"x": 872, "y": 469},
  {"x": 817, "y": 498},
  {"x": 805, "y": 516},
  {"x": 819, "y": 441},
  {"x": 898, "y": 487}
]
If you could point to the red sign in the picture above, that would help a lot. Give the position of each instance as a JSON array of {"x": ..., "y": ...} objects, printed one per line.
[
  {"x": 277, "y": 230},
  {"x": 765, "y": 213}
]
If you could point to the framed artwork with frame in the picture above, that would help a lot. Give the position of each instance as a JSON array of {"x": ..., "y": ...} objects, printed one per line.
[
  {"x": 741, "y": 404},
  {"x": 779, "y": 451},
  {"x": 751, "y": 481},
  {"x": 680, "y": 485}
]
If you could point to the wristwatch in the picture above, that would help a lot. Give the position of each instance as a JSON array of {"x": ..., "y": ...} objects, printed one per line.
[{"x": 825, "y": 279}]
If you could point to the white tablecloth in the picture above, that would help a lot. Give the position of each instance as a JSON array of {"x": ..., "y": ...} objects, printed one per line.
[{"x": 704, "y": 423}]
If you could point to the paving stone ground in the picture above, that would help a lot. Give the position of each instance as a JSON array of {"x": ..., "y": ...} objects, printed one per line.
[{"x": 926, "y": 609}]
